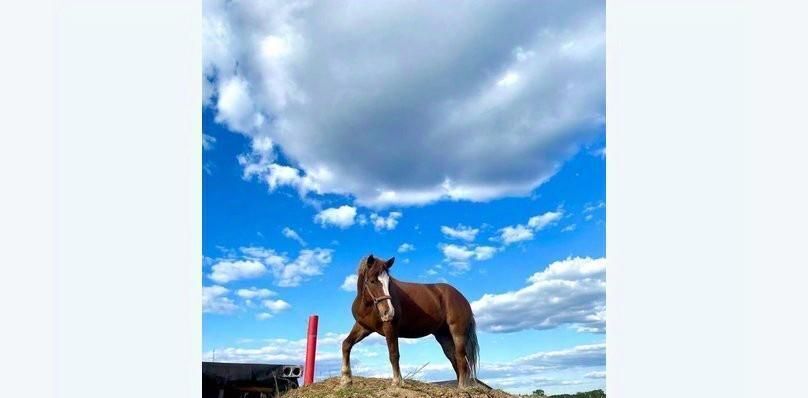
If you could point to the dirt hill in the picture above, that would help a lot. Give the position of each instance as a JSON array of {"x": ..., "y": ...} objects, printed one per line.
[{"x": 380, "y": 388}]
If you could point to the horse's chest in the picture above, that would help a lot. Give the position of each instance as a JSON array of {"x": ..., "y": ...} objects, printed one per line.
[{"x": 364, "y": 315}]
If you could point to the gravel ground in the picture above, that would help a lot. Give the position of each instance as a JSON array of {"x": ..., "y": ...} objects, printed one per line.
[{"x": 381, "y": 388}]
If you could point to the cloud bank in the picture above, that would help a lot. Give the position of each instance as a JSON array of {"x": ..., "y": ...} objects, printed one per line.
[{"x": 568, "y": 292}]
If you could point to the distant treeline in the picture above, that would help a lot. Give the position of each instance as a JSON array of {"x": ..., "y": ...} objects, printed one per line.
[{"x": 587, "y": 394}]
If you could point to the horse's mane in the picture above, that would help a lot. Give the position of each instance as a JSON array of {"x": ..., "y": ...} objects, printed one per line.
[
  {"x": 360, "y": 274},
  {"x": 361, "y": 268}
]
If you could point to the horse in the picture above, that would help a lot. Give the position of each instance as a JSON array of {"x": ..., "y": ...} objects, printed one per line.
[{"x": 396, "y": 309}]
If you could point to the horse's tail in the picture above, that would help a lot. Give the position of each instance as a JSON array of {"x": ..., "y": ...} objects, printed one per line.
[{"x": 472, "y": 349}]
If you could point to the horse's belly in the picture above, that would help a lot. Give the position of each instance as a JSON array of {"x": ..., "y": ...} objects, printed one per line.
[
  {"x": 411, "y": 334},
  {"x": 414, "y": 330}
]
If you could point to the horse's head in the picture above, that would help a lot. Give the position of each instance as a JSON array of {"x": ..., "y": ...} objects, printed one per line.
[{"x": 374, "y": 283}]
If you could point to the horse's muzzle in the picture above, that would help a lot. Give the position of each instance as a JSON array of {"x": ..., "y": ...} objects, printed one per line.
[{"x": 386, "y": 311}]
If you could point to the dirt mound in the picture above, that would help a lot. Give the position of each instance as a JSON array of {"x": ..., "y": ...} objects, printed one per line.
[{"x": 380, "y": 388}]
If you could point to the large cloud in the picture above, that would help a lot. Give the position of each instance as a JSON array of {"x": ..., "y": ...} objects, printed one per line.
[
  {"x": 407, "y": 102},
  {"x": 568, "y": 292}
]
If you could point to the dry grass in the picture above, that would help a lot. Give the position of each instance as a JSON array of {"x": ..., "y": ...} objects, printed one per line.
[{"x": 380, "y": 388}]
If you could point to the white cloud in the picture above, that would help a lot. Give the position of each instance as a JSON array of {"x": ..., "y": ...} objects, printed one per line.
[
  {"x": 275, "y": 306},
  {"x": 208, "y": 141},
  {"x": 279, "y": 175},
  {"x": 596, "y": 375},
  {"x": 568, "y": 292},
  {"x": 215, "y": 300},
  {"x": 582, "y": 355},
  {"x": 568, "y": 228},
  {"x": 459, "y": 256},
  {"x": 543, "y": 220},
  {"x": 389, "y": 223},
  {"x": 260, "y": 163},
  {"x": 591, "y": 207},
  {"x": 256, "y": 164},
  {"x": 235, "y": 105},
  {"x": 228, "y": 270},
  {"x": 253, "y": 293},
  {"x": 263, "y": 316},
  {"x": 518, "y": 233},
  {"x": 457, "y": 253},
  {"x": 274, "y": 351},
  {"x": 257, "y": 261},
  {"x": 460, "y": 232},
  {"x": 457, "y": 118},
  {"x": 484, "y": 252},
  {"x": 342, "y": 217},
  {"x": 308, "y": 263},
  {"x": 291, "y": 234},
  {"x": 267, "y": 256},
  {"x": 349, "y": 285},
  {"x": 406, "y": 247},
  {"x": 513, "y": 234}
]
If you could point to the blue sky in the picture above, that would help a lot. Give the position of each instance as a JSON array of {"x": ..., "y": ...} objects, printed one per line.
[{"x": 476, "y": 162}]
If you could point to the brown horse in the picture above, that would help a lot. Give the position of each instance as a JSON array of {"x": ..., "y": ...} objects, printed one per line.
[{"x": 396, "y": 309}]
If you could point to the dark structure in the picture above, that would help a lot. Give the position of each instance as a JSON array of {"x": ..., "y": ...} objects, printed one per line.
[{"x": 247, "y": 380}]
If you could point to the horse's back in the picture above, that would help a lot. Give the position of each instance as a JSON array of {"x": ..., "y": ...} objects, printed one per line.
[
  {"x": 453, "y": 300},
  {"x": 434, "y": 304}
]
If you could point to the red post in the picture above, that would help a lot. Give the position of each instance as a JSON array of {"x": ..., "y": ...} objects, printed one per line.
[{"x": 311, "y": 348}]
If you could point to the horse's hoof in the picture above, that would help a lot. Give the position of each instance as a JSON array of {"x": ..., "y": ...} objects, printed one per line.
[
  {"x": 397, "y": 383},
  {"x": 345, "y": 381}
]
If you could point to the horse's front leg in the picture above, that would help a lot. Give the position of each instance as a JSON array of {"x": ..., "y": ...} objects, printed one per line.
[
  {"x": 356, "y": 335},
  {"x": 391, "y": 335}
]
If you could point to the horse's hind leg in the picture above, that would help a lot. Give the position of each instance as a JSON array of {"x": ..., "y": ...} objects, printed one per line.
[
  {"x": 459, "y": 339},
  {"x": 356, "y": 335},
  {"x": 445, "y": 341}
]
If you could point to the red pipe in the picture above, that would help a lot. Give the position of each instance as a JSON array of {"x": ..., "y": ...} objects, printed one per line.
[{"x": 311, "y": 348}]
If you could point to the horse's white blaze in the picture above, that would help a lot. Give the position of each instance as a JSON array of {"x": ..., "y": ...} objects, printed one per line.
[{"x": 384, "y": 278}]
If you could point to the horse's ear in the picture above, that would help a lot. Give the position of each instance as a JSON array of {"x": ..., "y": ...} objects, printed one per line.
[
  {"x": 389, "y": 263},
  {"x": 370, "y": 260}
]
